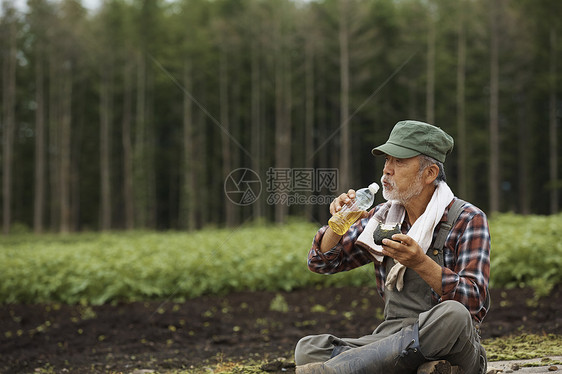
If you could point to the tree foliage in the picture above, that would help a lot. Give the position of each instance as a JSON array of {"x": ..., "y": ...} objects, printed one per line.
[{"x": 132, "y": 115}]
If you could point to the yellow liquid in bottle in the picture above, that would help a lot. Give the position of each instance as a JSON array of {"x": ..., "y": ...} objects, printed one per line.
[{"x": 340, "y": 222}]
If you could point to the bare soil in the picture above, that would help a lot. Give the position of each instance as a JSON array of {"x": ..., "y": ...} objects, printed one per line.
[{"x": 162, "y": 335}]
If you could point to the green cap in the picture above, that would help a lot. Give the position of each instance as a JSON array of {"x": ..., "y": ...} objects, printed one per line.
[{"x": 411, "y": 138}]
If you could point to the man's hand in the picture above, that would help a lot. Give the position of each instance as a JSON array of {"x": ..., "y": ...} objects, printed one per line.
[
  {"x": 330, "y": 238},
  {"x": 404, "y": 249},
  {"x": 408, "y": 252},
  {"x": 344, "y": 199},
  {"x": 341, "y": 200}
]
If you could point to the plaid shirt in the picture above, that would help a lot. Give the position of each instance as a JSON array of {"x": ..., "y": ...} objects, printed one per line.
[{"x": 466, "y": 258}]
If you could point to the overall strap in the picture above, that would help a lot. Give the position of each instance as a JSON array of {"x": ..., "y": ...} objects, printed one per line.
[
  {"x": 452, "y": 216},
  {"x": 446, "y": 227}
]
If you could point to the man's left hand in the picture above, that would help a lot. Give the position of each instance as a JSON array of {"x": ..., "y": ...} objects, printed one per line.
[{"x": 403, "y": 249}]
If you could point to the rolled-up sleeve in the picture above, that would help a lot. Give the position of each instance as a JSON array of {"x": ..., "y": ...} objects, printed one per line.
[{"x": 345, "y": 255}]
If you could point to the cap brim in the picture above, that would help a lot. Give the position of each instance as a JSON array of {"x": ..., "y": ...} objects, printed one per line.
[{"x": 394, "y": 151}]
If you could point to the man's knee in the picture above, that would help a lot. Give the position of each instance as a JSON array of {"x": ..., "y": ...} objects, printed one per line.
[
  {"x": 455, "y": 308},
  {"x": 311, "y": 349},
  {"x": 446, "y": 328},
  {"x": 300, "y": 351},
  {"x": 455, "y": 316}
]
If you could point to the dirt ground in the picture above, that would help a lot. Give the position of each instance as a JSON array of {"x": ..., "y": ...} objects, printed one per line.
[{"x": 168, "y": 335}]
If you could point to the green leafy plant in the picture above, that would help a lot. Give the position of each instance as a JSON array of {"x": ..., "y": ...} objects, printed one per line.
[
  {"x": 95, "y": 268},
  {"x": 526, "y": 251}
]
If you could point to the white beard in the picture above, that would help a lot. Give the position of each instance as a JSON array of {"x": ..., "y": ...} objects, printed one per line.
[{"x": 402, "y": 197}]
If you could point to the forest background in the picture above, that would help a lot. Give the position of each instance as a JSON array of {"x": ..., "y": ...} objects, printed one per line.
[{"x": 141, "y": 114}]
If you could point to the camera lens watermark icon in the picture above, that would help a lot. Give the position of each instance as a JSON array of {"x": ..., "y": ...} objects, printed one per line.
[{"x": 242, "y": 186}]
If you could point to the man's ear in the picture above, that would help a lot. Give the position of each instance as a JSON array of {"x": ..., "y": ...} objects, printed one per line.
[{"x": 431, "y": 173}]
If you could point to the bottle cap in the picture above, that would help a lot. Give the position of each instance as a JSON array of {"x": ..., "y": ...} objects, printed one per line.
[{"x": 373, "y": 187}]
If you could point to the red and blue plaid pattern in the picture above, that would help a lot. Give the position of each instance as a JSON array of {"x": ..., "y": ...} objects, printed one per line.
[{"x": 466, "y": 258}]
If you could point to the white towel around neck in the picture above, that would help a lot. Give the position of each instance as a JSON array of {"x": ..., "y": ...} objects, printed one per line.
[{"x": 421, "y": 231}]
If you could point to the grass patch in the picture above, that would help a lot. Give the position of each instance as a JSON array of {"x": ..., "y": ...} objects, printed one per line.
[{"x": 523, "y": 347}]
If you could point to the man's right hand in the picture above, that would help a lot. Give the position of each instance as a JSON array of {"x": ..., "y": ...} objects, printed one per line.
[
  {"x": 341, "y": 200},
  {"x": 330, "y": 238}
]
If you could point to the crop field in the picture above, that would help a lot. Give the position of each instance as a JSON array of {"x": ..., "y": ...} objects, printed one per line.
[
  {"x": 201, "y": 299},
  {"x": 133, "y": 266}
]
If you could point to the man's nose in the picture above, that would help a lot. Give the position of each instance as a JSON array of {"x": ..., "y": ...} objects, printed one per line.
[{"x": 387, "y": 169}]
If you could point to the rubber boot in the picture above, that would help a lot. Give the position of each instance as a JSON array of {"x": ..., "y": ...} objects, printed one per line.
[{"x": 398, "y": 353}]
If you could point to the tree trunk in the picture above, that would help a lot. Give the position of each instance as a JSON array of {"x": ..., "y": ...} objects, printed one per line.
[
  {"x": 430, "y": 84},
  {"x": 106, "y": 117},
  {"x": 55, "y": 98},
  {"x": 553, "y": 133},
  {"x": 256, "y": 139},
  {"x": 201, "y": 147},
  {"x": 279, "y": 212},
  {"x": 65, "y": 145},
  {"x": 225, "y": 123},
  {"x": 282, "y": 124},
  {"x": 128, "y": 191},
  {"x": 77, "y": 128},
  {"x": 323, "y": 159},
  {"x": 494, "y": 110},
  {"x": 309, "y": 114},
  {"x": 412, "y": 98},
  {"x": 236, "y": 120},
  {"x": 187, "y": 202},
  {"x": 345, "y": 151},
  {"x": 287, "y": 118},
  {"x": 39, "y": 195},
  {"x": 149, "y": 157},
  {"x": 139, "y": 152},
  {"x": 523, "y": 159},
  {"x": 461, "y": 105},
  {"x": 9, "y": 103}
]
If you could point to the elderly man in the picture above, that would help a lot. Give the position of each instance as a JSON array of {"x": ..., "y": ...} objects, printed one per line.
[{"x": 433, "y": 276}]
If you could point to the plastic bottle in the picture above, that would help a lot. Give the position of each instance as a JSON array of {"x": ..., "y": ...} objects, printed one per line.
[{"x": 349, "y": 213}]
